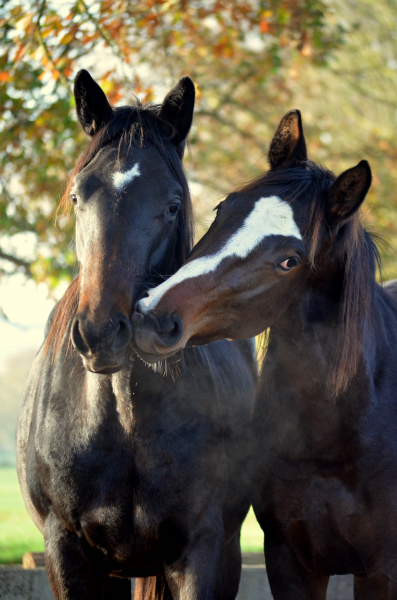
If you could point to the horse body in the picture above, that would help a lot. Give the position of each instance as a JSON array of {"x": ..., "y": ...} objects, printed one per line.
[
  {"x": 126, "y": 470},
  {"x": 128, "y": 463},
  {"x": 320, "y": 490},
  {"x": 325, "y": 453}
]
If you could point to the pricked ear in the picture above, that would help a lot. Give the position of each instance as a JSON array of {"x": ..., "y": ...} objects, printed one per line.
[
  {"x": 177, "y": 109},
  {"x": 92, "y": 106},
  {"x": 288, "y": 146},
  {"x": 347, "y": 193}
]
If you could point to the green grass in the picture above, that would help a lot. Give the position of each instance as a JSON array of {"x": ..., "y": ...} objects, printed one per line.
[
  {"x": 18, "y": 534},
  {"x": 251, "y": 534}
]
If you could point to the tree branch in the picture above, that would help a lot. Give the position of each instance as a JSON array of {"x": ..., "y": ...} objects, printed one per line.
[
  {"x": 215, "y": 115},
  {"x": 47, "y": 54},
  {"x": 19, "y": 262},
  {"x": 21, "y": 224},
  {"x": 104, "y": 32}
]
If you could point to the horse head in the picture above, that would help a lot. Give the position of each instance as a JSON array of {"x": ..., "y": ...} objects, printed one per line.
[
  {"x": 268, "y": 240},
  {"x": 132, "y": 210}
]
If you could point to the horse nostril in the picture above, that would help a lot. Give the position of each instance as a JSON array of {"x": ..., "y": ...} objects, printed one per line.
[
  {"x": 155, "y": 334},
  {"x": 90, "y": 338},
  {"x": 170, "y": 330},
  {"x": 77, "y": 339}
]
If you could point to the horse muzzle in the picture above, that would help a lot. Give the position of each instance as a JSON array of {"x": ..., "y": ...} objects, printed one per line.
[
  {"x": 102, "y": 346},
  {"x": 156, "y": 338}
]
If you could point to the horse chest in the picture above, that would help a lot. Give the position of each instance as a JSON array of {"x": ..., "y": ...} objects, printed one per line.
[
  {"x": 116, "y": 488},
  {"x": 323, "y": 530},
  {"x": 318, "y": 515},
  {"x": 306, "y": 478},
  {"x": 110, "y": 468}
]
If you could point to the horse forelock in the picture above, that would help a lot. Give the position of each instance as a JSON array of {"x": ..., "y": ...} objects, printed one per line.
[
  {"x": 351, "y": 245},
  {"x": 132, "y": 124}
]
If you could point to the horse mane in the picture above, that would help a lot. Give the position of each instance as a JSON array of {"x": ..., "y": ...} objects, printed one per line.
[
  {"x": 135, "y": 124},
  {"x": 351, "y": 245}
]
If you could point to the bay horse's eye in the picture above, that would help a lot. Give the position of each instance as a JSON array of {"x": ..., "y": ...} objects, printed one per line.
[
  {"x": 73, "y": 198},
  {"x": 173, "y": 208},
  {"x": 289, "y": 263}
]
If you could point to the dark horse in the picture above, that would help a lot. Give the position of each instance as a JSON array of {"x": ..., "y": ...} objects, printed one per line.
[
  {"x": 289, "y": 252},
  {"x": 128, "y": 471}
]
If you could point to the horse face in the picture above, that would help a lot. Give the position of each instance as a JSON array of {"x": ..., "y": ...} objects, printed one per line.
[
  {"x": 238, "y": 280},
  {"x": 125, "y": 221},
  {"x": 129, "y": 201}
]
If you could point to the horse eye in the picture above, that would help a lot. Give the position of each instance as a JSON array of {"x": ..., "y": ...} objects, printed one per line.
[
  {"x": 73, "y": 198},
  {"x": 173, "y": 209},
  {"x": 288, "y": 264}
]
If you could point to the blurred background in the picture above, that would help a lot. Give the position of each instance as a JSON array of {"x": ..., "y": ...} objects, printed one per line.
[{"x": 251, "y": 61}]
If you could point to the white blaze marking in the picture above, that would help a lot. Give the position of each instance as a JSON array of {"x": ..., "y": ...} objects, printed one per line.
[
  {"x": 120, "y": 180},
  {"x": 270, "y": 216}
]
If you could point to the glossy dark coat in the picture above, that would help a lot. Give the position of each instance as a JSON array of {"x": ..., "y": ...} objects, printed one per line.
[
  {"x": 125, "y": 470},
  {"x": 325, "y": 418}
]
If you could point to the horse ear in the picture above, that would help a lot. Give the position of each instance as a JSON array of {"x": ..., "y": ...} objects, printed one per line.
[
  {"x": 347, "y": 193},
  {"x": 177, "y": 110},
  {"x": 92, "y": 106},
  {"x": 288, "y": 146}
]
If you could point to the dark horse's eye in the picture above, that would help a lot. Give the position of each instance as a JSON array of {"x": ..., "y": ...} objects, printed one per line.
[
  {"x": 73, "y": 198},
  {"x": 288, "y": 264},
  {"x": 174, "y": 207}
]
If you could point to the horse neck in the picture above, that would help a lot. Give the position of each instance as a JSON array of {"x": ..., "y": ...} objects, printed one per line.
[
  {"x": 294, "y": 403},
  {"x": 302, "y": 344},
  {"x": 138, "y": 390},
  {"x": 143, "y": 393}
]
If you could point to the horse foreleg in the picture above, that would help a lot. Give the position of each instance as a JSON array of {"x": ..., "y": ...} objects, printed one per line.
[
  {"x": 233, "y": 568},
  {"x": 199, "y": 574},
  {"x": 288, "y": 579},
  {"x": 382, "y": 586},
  {"x": 363, "y": 589},
  {"x": 70, "y": 575}
]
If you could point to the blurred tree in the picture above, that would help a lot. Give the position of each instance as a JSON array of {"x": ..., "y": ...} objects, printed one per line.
[
  {"x": 350, "y": 109},
  {"x": 237, "y": 52},
  {"x": 12, "y": 382},
  {"x": 251, "y": 60}
]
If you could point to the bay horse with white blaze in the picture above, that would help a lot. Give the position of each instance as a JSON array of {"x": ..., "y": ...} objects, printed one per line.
[
  {"x": 126, "y": 470},
  {"x": 289, "y": 252}
]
